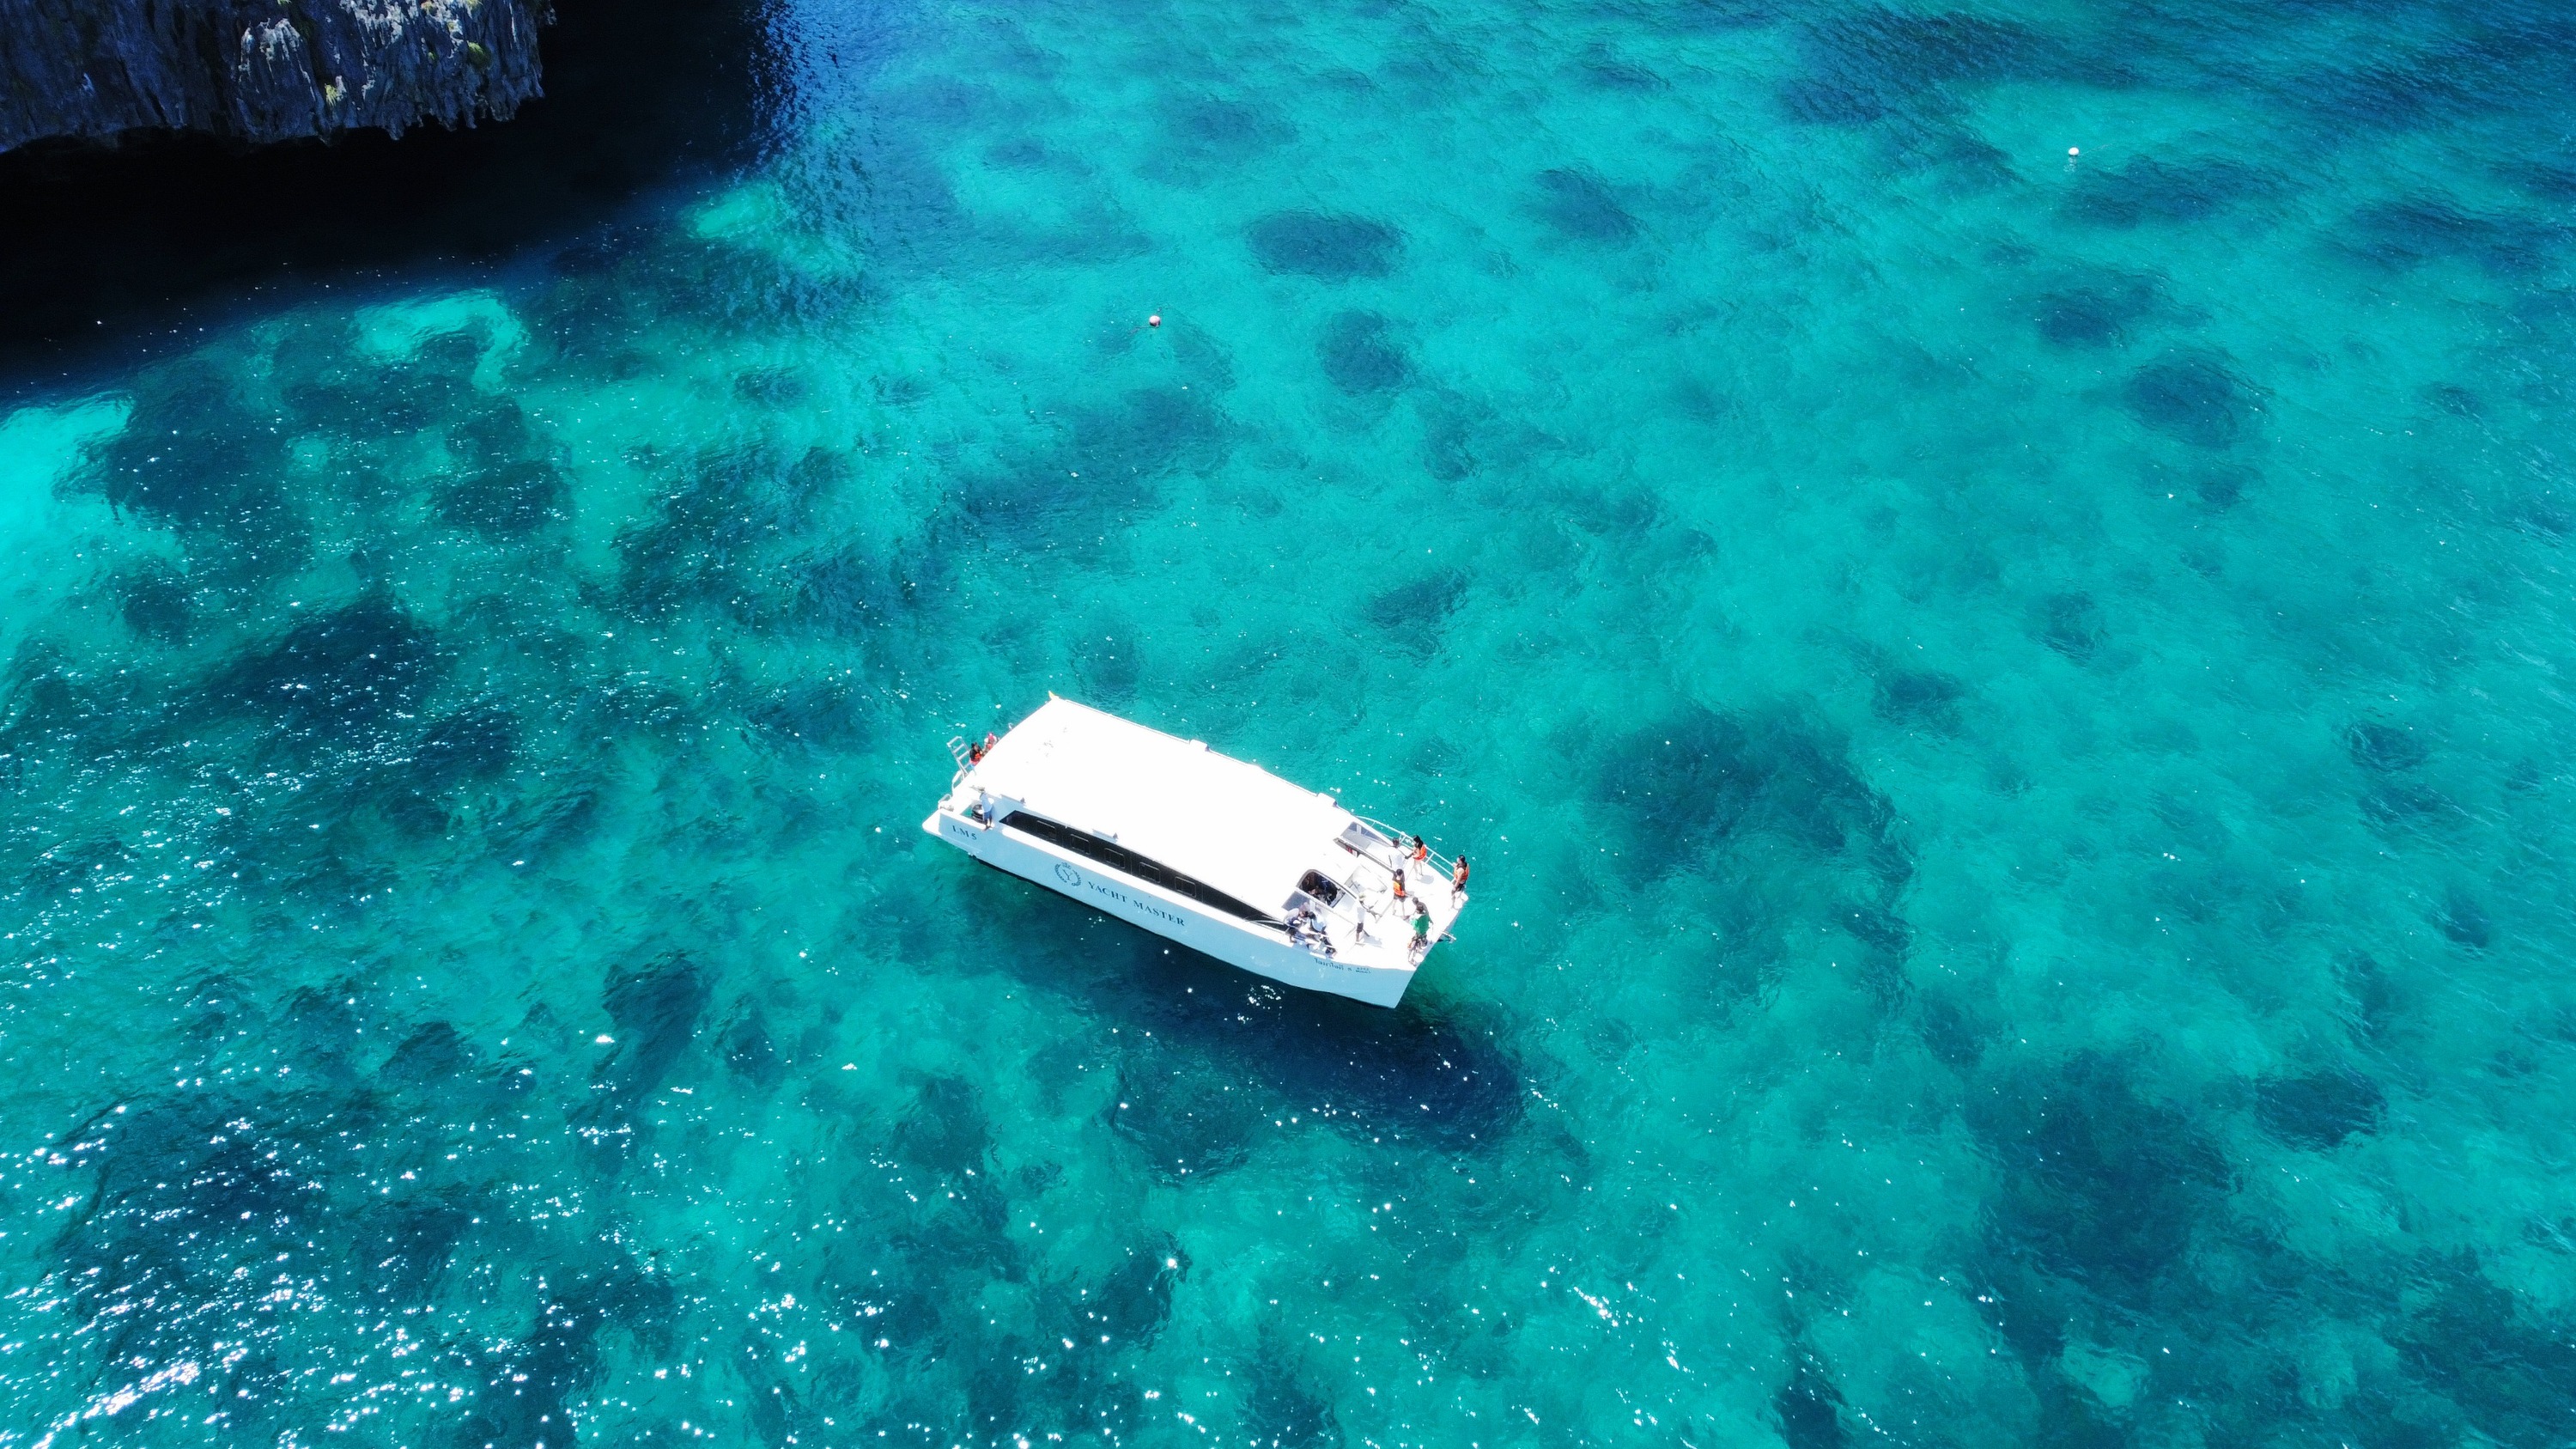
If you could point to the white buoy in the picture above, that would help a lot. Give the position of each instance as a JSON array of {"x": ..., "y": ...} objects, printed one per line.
[{"x": 2074, "y": 150}]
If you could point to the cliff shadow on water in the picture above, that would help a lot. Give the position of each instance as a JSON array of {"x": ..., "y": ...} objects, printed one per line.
[{"x": 104, "y": 247}]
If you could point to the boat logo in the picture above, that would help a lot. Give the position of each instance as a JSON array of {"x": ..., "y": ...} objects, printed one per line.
[{"x": 1067, "y": 874}]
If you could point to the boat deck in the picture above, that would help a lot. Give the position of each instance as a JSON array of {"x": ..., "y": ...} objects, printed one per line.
[{"x": 1368, "y": 924}]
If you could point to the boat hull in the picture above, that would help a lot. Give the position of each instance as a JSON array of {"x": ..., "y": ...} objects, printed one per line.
[{"x": 1257, "y": 949}]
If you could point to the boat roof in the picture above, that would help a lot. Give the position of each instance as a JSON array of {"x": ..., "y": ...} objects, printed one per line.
[{"x": 1233, "y": 825}]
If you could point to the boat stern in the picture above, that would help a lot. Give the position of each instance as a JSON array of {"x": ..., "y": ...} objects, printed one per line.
[{"x": 966, "y": 815}]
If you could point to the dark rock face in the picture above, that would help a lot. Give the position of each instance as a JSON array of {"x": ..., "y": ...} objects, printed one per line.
[{"x": 261, "y": 70}]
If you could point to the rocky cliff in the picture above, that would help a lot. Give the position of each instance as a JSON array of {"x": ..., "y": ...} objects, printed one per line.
[{"x": 261, "y": 70}]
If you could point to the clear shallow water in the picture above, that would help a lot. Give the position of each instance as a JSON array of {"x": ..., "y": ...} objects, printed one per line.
[{"x": 2007, "y": 708}]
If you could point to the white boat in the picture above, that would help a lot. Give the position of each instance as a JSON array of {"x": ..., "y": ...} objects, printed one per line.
[{"x": 1219, "y": 855}]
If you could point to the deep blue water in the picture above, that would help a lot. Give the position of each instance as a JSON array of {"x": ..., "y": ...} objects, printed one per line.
[{"x": 1988, "y": 589}]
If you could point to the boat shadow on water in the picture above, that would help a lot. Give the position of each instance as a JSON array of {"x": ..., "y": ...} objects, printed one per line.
[{"x": 1208, "y": 1056}]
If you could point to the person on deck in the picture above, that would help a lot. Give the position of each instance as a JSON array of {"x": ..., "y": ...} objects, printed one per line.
[
  {"x": 1307, "y": 931},
  {"x": 1458, "y": 878}
]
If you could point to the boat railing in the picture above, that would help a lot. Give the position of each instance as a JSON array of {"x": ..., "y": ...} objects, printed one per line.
[{"x": 1447, "y": 866}]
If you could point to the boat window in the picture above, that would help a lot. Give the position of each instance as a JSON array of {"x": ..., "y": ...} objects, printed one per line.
[
  {"x": 1363, "y": 841},
  {"x": 1142, "y": 867},
  {"x": 1315, "y": 884}
]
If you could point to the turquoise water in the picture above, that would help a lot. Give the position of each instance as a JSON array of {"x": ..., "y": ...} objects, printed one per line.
[{"x": 2009, "y": 707}]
